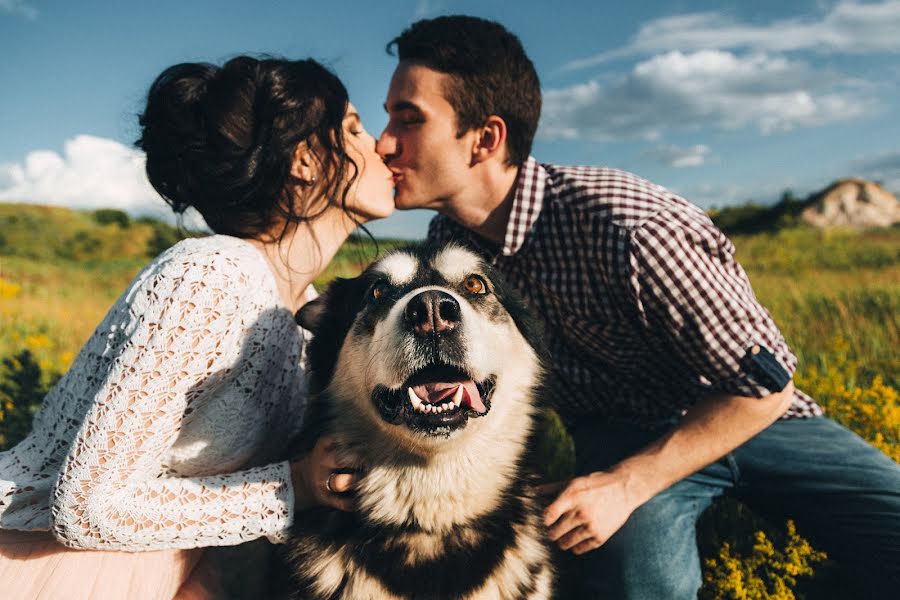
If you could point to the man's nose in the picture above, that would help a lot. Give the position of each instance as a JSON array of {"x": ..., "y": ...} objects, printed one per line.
[{"x": 386, "y": 146}]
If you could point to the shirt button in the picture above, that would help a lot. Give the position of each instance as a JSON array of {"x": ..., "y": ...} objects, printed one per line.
[{"x": 754, "y": 350}]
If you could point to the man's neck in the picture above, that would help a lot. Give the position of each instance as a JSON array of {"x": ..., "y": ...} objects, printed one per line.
[{"x": 485, "y": 206}]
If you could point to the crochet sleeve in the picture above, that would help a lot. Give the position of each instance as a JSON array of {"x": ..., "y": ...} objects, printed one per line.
[{"x": 113, "y": 491}]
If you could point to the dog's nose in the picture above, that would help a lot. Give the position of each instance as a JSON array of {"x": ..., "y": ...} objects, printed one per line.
[{"x": 433, "y": 311}]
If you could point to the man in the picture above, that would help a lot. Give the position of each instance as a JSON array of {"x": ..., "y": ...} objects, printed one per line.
[{"x": 675, "y": 381}]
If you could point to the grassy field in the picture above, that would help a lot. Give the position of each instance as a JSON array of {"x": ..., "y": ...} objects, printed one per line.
[{"x": 836, "y": 297}]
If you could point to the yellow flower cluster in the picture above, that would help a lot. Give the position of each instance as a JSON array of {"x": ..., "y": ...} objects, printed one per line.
[
  {"x": 871, "y": 410},
  {"x": 9, "y": 290},
  {"x": 767, "y": 572}
]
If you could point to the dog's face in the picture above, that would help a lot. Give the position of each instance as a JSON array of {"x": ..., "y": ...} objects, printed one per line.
[{"x": 427, "y": 344}]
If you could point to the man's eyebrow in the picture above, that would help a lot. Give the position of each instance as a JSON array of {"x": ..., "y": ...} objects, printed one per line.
[{"x": 402, "y": 105}]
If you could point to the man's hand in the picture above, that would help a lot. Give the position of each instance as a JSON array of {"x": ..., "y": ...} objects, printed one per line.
[
  {"x": 592, "y": 508},
  {"x": 588, "y": 512}
]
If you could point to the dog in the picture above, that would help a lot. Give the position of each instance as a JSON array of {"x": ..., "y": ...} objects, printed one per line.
[{"x": 426, "y": 369}]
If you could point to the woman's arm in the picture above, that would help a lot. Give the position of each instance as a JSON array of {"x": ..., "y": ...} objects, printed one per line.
[{"x": 109, "y": 494}]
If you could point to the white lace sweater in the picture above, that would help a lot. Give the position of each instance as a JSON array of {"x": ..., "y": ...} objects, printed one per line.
[{"x": 166, "y": 430}]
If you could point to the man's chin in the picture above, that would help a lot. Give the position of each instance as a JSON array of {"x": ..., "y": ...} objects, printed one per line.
[{"x": 404, "y": 200}]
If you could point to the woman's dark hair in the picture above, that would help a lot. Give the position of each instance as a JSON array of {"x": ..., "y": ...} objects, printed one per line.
[
  {"x": 490, "y": 74},
  {"x": 222, "y": 139}
]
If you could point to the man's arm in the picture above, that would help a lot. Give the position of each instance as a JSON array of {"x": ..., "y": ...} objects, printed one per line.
[{"x": 592, "y": 508}]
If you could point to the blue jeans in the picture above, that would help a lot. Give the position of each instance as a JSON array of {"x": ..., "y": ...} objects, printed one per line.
[{"x": 843, "y": 494}]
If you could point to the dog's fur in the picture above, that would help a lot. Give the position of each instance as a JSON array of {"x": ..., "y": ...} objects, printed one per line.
[{"x": 445, "y": 508}]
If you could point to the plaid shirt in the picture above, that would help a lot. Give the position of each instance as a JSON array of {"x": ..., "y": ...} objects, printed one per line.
[{"x": 645, "y": 308}]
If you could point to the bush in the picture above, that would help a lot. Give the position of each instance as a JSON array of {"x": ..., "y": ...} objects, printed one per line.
[
  {"x": 163, "y": 236},
  {"x": 108, "y": 216},
  {"x": 22, "y": 389},
  {"x": 555, "y": 449}
]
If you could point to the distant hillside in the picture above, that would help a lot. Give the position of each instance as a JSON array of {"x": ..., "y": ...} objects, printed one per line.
[
  {"x": 847, "y": 203},
  {"x": 853, "y": 203},
  {"x": 45, "y": 234},
  {"x": 53, "y": 233}
]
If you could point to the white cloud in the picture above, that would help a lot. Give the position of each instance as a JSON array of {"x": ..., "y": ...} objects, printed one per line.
[
  {"x": 678, "y": 157},
  {"x": 91, "y": 173},
  {"x": 427, "y": 8},
  {"x": 18, "y": 7},
  {"x": 849, "y": 27},
  {"x": 707, "y": 88}
]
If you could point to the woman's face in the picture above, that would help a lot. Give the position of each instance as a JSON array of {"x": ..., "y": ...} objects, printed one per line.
[{"x": 372, "y": 194}]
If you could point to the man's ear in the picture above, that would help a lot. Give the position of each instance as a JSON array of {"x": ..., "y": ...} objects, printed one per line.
[
  {"x": 303, "y": 164},
  {"x": 490, "y": 140}
]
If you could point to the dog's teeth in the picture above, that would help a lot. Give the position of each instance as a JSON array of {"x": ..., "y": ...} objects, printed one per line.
[
  {"x": 438, "y": 409},
  {"x": 414, "y": 398},
  {"x": 457, "y": 397},
  {"x": 446, "y": 405},
  {"x": 428, "y": 408}
]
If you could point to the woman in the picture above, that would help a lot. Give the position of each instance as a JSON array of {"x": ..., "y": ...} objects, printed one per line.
[{"x": 165, "y": 434}]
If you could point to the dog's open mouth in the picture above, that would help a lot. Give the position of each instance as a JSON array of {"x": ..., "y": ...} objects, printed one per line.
[{"x": 435, "y": 400}]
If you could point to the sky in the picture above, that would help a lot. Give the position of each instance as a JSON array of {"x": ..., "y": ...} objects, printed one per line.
[{"x": 721, "y": 102}]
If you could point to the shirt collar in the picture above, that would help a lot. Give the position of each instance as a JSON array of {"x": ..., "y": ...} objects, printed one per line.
[{"x": 526, "y": 206}]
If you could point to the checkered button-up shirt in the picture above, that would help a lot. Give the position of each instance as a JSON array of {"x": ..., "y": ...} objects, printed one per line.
[{"x": 645, "y": 308}]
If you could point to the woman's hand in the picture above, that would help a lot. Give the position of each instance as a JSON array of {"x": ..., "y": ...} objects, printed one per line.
[{"x": 320, "y": 478}]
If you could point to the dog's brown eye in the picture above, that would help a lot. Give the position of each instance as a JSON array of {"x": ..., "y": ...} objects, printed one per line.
[
  {"x": 475, "y": 285},
  {"x": 380, "y": 290}
]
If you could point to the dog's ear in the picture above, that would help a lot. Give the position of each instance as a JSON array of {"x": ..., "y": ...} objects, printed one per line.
[
  {"x": 329, "y": 317},
  {"x": 311, "y": 314}
]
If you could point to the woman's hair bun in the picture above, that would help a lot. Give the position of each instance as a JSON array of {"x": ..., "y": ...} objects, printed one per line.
[
  {"x": 222, "y": 139},
  {"x": 173, "y": 125}
]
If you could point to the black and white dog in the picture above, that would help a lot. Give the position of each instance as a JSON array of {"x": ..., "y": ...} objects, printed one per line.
[{"x": 427, "y": 375}]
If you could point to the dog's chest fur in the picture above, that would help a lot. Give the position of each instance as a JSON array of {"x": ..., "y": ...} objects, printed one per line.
[{"x": 497, "y": 555}]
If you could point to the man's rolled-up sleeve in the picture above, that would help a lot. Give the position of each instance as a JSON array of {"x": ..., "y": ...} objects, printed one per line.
[{"x": 692, "y": 294}]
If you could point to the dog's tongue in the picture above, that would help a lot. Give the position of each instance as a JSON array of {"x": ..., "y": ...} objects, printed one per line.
[{"x": 438, "y": 391}]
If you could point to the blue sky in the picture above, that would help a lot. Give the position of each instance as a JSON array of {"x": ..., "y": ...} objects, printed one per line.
[{"x": 721, "y": 102}]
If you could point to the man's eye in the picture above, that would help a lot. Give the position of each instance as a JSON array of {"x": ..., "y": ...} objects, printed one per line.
[{"x": 407, "y": 119}]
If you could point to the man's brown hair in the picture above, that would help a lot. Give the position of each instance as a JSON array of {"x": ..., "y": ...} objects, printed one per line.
[{"x": 489, "y": 71}]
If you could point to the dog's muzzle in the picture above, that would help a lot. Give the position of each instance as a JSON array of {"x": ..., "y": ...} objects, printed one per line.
[
  {"x": 435, "y": 400},
  {"x": 442, "y": 396}
]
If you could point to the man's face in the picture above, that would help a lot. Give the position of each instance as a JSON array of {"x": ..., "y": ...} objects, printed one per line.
[{"x": 430, "y": 163}]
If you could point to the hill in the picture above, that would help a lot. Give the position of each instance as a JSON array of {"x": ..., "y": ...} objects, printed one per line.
[
  {"x": 50, "y": 233},
  {"x": 852, "y": 203},
  {"x": 846, "y": 203}
]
